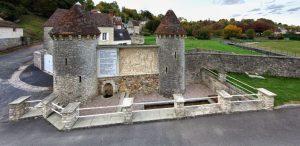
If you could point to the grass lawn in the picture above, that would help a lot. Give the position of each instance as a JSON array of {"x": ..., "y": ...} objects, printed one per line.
[
  {"x": 212, "y": 45},
  {"x": 33, "y": 26},
  {"x": 287, "y": 89},
  {"x": 283, "y": 46}
]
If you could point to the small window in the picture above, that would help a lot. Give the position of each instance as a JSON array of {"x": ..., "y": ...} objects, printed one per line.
[
  {"x": 79, "y": 79},
  {"x": 166, "y": 69},
  {"x": 66, "y": 61},
  {"x": 14, "y": 29},
  {"x": 175, "y": 55},
  {"x": 104, "y": 36}
]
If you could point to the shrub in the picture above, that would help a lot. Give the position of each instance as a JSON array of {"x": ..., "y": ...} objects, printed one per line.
[
  {"x": 267, "y": 33},
  {"x": 250, "y": 33},
  {"x": 232, "y": 31},
  {"x": 203, "y": 33}
]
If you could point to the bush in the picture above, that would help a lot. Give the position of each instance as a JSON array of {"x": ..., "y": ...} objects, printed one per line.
[
  {"x": 203, "y": 33},
  {"x": 293, "y": 36},
  {"x": 250, "y": 33},
  {"x": 267, "y": 33},
  {"x": 232, "y": 31}
]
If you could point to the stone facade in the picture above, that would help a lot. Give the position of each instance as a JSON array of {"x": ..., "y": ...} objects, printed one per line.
[
  {"x": 18, "y": 108},
  {"x": 137, "y": 39},
  {"x": 48, "y": 42},
  {"x": 38, "y": 59},
  {"x": 276, "y": 66},
  {"x": 136, "y": 61},
  {"x": 171, "y": 65},
  {"x": 75, "y": 73},
  {"x": 134, "y": 84},
  {"x": 6, "y": 43}
]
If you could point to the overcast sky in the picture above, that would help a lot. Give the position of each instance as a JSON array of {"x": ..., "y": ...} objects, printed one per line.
[{"x": 285, "y": 11}]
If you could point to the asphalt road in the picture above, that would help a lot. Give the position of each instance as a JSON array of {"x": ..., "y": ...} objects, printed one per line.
[{"x": 278, "y": 127}]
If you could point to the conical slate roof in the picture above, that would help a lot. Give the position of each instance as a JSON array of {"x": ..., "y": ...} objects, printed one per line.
[
  {"x": 76, "y": 22},
  {"x": 170, "y": 25}
]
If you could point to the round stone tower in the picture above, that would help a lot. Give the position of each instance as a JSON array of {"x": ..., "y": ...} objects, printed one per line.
[
  {"x": 74, "y": 56},
  {"x": 170, "y": 38}
]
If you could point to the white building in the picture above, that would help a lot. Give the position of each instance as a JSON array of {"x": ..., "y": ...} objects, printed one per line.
[
  {"x": 133, "y": 27},
  {"x": 10, "y": 34}
]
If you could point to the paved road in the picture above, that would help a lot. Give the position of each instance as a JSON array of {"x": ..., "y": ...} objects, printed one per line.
[{"x": 279, "y": 127}]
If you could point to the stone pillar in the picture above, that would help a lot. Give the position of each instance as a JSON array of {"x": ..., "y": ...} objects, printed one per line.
[
  {"x": 267, "y": 97},
  {"x": 70, "y": 115},
  {"x": 127, "y": 108},
  {"x": 47, "y": 105},
  {"x": 18, "y": 108},
  {"x": 225, "y": 100},
  {"x": 38, "y": 59},
  {"x": 222, "y": 77},
  {"x": 179, "y": 105}
]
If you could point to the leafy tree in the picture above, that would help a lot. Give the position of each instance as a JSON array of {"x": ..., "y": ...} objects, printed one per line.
[
  {"x": 105, "y": 7},
  {"x": 232, "y": 31},
  {"x": 250, "y": 33},
  {"x": 152, "y": 25},
  {"x": 147, "y": 14},
  {"x": 89, "y": 5},
  {"x": 262, "y": 25},
  {"x": 203, "y": 33},
  {"x": 267, "y": 33}
]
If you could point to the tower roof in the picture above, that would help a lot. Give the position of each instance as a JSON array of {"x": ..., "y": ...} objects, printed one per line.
[
  {"x": 170, "y": 25},
  {"x": 76, "y": 22}
]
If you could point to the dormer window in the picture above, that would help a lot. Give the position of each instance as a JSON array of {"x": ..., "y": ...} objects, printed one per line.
[{"x": 104, "y": 36}]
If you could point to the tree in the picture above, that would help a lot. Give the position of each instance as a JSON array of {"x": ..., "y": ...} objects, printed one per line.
[
  {"x": 261, "y": 25},
  {"x": 267, "y": 33},
  {"x": 203, "y": 33},
  {"x": 232, "y": 31},
  {"x": 89, "y": 5},
  {"x": 105, "y": 7},
  {"x": 147, "y": 14},
  {"x": 152, "y": 25},
  {"x": 250, "y": 33}
]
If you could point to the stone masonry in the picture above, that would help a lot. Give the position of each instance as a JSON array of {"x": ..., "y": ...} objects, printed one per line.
[
  {"x": 170, "y": 38},
  {"x": 18, "y": 108},
  {"x": 9, "y": 43}
]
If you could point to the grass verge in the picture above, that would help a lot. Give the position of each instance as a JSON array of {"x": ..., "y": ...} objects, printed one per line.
[
  {"x": 287, "y": 89},
  {"x": 212, "y": 45}
]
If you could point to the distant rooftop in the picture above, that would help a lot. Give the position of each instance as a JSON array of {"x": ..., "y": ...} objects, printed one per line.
[
  {"x": 76, "y": 22},
  {"x": 170, "y": 25},
  {"x": 4, "y": 23}
]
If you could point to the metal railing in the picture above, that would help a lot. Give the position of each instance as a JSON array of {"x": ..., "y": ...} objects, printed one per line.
[{"x": 235, "y": 82}]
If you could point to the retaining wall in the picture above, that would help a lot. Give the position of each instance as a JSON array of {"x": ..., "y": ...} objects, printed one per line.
[
  {"x": 275, "y": 66},
  {"x": 6, "y": 43}
]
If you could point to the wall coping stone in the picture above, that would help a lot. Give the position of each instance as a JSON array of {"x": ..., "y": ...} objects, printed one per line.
[
  {"x": 264, "y": 56},
  {"x": 127, "y": 75},
  {"x": 126, "y": 46},
  {"x": 19, "y": 100},
  {"x": 266, "y": 92},
  {"x": 127, "y": 102},
  {"x": 178, "y": 98},
  {"x": 224, "y": 94},
  {"x": 49, "y": 98},
  {"x": 70, "y": 108}
]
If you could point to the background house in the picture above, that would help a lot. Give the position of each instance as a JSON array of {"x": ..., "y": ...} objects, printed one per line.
[
  {"x": 133, "y": 27},
  {"x": 10, "y": 34}
]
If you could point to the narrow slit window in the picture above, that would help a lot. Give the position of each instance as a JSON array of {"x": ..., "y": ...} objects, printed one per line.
[
  {"x": 166, "y": 69},
  {"x": 79, "y": 79},
  {"x": 175, "y": 54},
  {"x": 66, "y": 61}
]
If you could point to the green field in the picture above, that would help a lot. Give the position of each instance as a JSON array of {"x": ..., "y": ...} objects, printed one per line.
[
  {"x": 33, "y": 26},
  {"x": 291, "y": 48},
  {"x": 211, "y": 45},
  {"x": 287, "y": 89}
]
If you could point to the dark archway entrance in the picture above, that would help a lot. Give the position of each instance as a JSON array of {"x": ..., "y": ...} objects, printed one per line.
[{"x": 108, "y": 90}]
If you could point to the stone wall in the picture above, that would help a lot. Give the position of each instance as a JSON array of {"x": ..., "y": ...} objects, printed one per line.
[
  {"x": 134, "y": 84},
  {"x": 75, "y": 73},
  {"x": 48, "y": 42},
  {"x": 6, "y": 43},
  {"x": 137, "y": 39},
  {"x": 38, "y": 59},
  {"x": 135, "y": 61},
  {"x": 276, "y": 66},
  {"x": 171, "y": 65}
]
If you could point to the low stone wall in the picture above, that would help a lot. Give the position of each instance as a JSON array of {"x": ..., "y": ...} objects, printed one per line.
[
  {"x": 38, "y": 59},
  {"x": 9, "y": 43},
  {"x": 137, "y": 39},
  {"x": 147, "y": 83},
  {"x": 275, "y": 66},
  {"x": 215, "y": 84}
]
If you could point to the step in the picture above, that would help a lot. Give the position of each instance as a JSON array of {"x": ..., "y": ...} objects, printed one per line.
[{"x": 55, "y": 120}]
